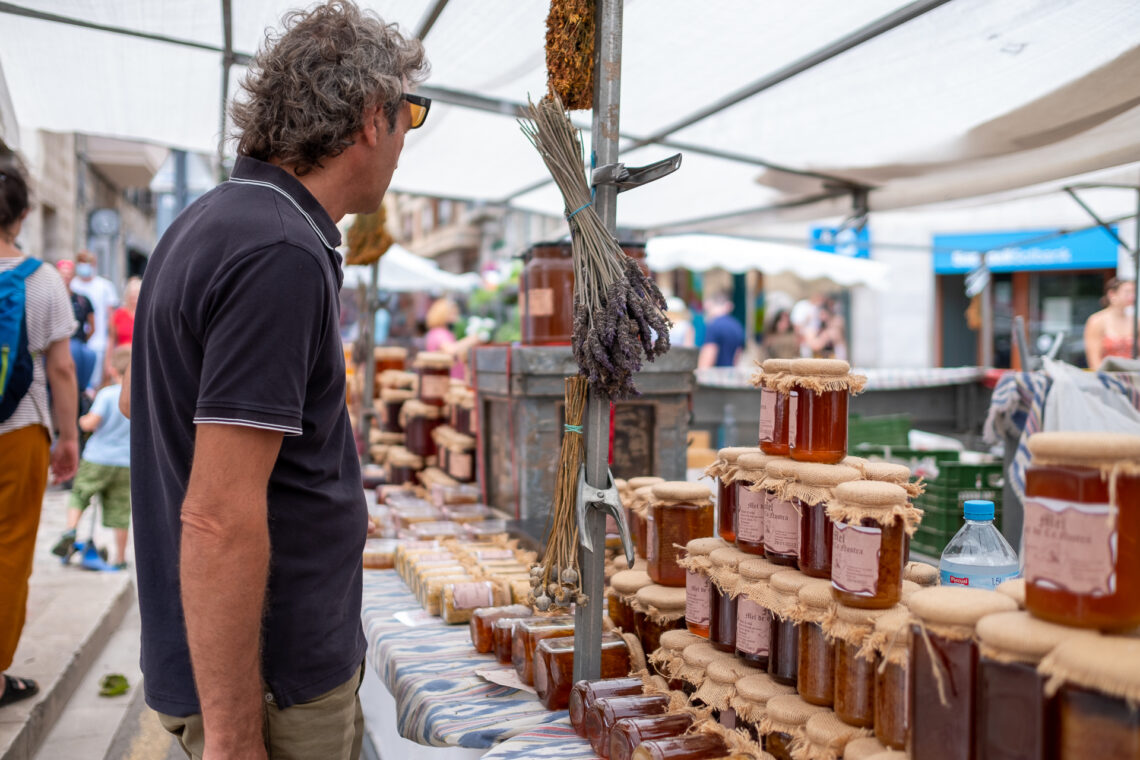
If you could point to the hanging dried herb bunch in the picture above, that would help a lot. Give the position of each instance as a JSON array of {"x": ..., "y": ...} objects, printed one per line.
[
  {"x": 368, "y": 238},
  {"x": 570, "y": 52},
  {"x": 619, "y": 312},
  {"x": 555, "y": 582}
]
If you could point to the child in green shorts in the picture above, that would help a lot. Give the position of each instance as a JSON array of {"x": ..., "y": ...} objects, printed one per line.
[{"x": 105, "y": 468}]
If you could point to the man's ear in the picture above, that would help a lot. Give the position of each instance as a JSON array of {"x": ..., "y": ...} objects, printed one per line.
[{"x": 373, "y": 128}]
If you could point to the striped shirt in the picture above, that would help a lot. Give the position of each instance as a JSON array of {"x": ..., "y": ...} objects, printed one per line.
[{"x": 49, "y": 319}]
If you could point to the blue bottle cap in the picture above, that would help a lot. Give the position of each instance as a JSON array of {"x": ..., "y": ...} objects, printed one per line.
[{"x": 978, "y": 509}]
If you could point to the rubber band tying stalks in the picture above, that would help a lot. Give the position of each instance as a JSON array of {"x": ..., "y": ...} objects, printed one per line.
[
  {"x": 573, "y": 429},
  {"x": 574, "y": 213}
]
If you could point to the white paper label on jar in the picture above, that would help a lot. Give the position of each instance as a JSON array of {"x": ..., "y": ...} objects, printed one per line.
[
  {"x": 767, "y": 415},
  {"x": 855, "y": 553},
  {"x": 728, "y": 718},
  {"x": 434, "y": 386},
  {"x": 1070, "y": 546},
  {"x": 470, "y": 596},
  {"x": 540, "y": 302},
  {"x": 750, "y": 514},
  {"x": 793, "y": 407},
  {"x": 753, "y": 628},
  {"x": 781, "y": 526},
  {"x": 698, "y": 598}
]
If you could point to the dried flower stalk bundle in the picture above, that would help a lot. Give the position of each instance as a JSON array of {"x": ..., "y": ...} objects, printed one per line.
[
  {"x": 570, "y": 52},
  {"x": 619, "y": 312}
]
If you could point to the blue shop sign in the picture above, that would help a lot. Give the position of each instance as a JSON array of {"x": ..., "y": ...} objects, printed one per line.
[
  {"x": 1025, "y": 251},
  {"x": 842, "y": 241}
]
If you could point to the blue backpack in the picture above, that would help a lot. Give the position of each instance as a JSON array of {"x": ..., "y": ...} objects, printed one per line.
[{"x": 16, "y": 364}]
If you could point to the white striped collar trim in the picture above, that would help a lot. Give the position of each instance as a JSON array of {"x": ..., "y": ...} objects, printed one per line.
[
  {"x": 292, "y": 200},
  {"x": 290, "y": 430}
]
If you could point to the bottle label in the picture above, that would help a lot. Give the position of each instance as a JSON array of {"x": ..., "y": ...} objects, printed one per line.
[
  {"x": 793, "y": 411},
  {"x": 767, "y": 415},
  {"x": 1070, "y": 546},
  {"x": 698, "y": 598},
  {"x": 958, "y": 576},
  {"x": 750, "y": 514},
  {"x": 855, "y": 558},
  {"x": 540, "y": 302},
  {"x": 781, "y": 526},
  {"x": 470, "y": 596},
  {"x": 753, "y": 628},
  {"x": 434, "y": 386}
]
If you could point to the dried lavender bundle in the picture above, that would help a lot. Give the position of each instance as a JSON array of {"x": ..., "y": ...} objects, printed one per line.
[{"x": 619, "y": 312}]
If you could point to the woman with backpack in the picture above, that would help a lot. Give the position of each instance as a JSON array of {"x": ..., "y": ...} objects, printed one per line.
[{"x": 36, "y": 323}]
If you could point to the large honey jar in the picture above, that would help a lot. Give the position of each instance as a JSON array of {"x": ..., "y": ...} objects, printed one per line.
[
  {"x": 890, "y": 641},
  {"x": 819, "y": 390},
  {"x": 658, "y": 609},
  {"x": 943, "y": 668},
  {"x": 554, "y": 666},
  {"x": 546, "y": 294},
  {"x": 815, "y": 674},
  {"x": 752, "y": 495},
  {"x": 525, "y": 637},
  {"x": 781, "y": 517},
  {"x": 785, "y": 723},
  {"x": 1097, "y": 690},
  {"x": 725, "y": 588},
  {"x": 433, "y": 372},
  {"x": 698, "y": 584},
  {"x": 678, "y": 513},
  {"x": 1015, "y": 718},
  {"x": 1082, "y": 530},
  {"x": 420, "y": 421},
  {"x": 809, "y": 491},
  {"x": 723, "y": 470},
  {"x": 826, "y": 737},
  {"x": 751, "y": 699},
  {"x": 607, "y": 711},
  {"x": 623, "y": 601},
  {"x": 668, "y": 659},
  {"x": 630, "y": 733},
  {"x": 871, "y": 523},
  {"x": 483, "y": 621},
  {"x": 776, "y": 423},
  {"x": 754, "y": 619},
  {"x": 584, "y": 693},
  {"x": 784, "y": 655},
  {"x": 851, "y": 630}
]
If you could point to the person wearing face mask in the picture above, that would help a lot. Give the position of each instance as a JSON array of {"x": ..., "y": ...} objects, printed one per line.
[
  {"x": 1109, "y": 331},
  {"x": 101, "y": 293}
]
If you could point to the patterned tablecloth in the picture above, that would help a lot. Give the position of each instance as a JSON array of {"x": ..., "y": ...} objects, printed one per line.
[
  {"x": 554, "y": 741},
  {"x": 430, "y": 670}
]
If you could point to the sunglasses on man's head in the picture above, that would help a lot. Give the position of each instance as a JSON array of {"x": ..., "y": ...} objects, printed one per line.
[{"x": 419, "y": 107}]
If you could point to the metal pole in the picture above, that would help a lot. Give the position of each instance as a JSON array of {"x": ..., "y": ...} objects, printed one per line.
[
  {"x": 607, "y": 98},
  {"x": 367, "y": 404}
]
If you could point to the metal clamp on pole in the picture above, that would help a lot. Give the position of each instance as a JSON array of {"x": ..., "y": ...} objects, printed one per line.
[
  {"x": 605, "y": 500},
  {"x": 626, "y": 178}
]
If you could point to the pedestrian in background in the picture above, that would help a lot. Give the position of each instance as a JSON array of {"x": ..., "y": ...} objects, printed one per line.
[
  {"x": 101, "y": 293},
  {"x": 724, "y": 333}
]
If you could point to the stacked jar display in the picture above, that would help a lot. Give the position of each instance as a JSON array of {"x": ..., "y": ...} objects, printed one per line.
[
  {"x": 678, "y": 513},
  {"x": 723, "y": 471},
  {"x": 751, "y": 496},
  {"x": 776, "y": 423},
  {"x": 698, "y": 584},
  {"x": 809, "y": 490},
  {"x": 754, "y": 618},
  {"x": 725, "y": 588},
  {"x": 818, "y": 391}
]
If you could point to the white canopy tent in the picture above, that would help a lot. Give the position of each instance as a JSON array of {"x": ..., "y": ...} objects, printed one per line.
[
  {"x": 797, "y": 108},
  {"x": 402, "y": 271}
]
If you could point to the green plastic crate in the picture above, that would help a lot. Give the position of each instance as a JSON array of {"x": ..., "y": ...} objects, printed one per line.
[
  {"x": 956, "y": 483},
  {"x": 885, "y": 430}
]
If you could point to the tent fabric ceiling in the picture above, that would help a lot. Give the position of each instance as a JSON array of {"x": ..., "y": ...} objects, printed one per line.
[{"x": 969, "y": 96}]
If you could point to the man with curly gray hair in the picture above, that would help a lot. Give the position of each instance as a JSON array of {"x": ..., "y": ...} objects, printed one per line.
[{"x": 252, "y": 518}]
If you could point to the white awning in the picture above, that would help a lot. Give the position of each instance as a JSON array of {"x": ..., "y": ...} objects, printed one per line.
[
  {"x": 700, "y": 253},
  {"x": 402, "y": 271}
]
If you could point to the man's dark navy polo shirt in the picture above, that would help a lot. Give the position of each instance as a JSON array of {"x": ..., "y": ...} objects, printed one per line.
[{"x": 237, "y": 324}]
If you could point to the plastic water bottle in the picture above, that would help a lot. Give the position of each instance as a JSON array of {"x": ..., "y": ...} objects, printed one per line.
[{"x": 978, "y": 556}]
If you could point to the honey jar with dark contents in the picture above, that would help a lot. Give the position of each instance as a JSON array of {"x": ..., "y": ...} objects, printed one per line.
[
  {"x": 420, "y": 421},
  {"x": 698, "y": 586},
  {"x": 943, "y": 668},
  {"x": 554, "y": 667},
  {"x": 1081, "y": 547},
  {"x": 724, "y": 470},
  {"x": 629, "y": 733},
  {"x": 607, "y": 711},
  {"x": 504, "y": 629},
  {"x": 695, "y": 746},
  {"x": 815, "y": 673},
  {"x": 890, "y": 640},
  {"x": 678, "y": 513},
  {"x": 784, "y": 655},
  {"x": 525, "y": 637},
  {"x": 695, "y": 661},
  {"x": 483, "y": 621},
  {"x": 821, "y": 388},
  {"x": 1016, "y": 718},
  {"x": 872, "y": 520},
  {"x": 460, "y": 451},
  {"x": 722, "y": 627},
  {"x": 753, "y": 619},
  {"x": 785, "y": 722},
  {"x": 809, "y": 491},
  {"x": 625, "y": 585},
  {"x": 584, "y": 693},
  {"x": 751, "y": 497},
  {"x": 546, "y": 294},
  {"x": 781, "y": 517},
  {"x": 433, "y": 371},
  {"x": 402, "y": 466},
  {"x": 751, "y": 700},
  {"x": 389, "y": 358},
  {"x": 463, "y": 413},
  {"x": 774, "y": 411},
  {"x": 658, "y": 609},
  {"x": 851, "y": 630},
  {"x": 391, "y": 402}
]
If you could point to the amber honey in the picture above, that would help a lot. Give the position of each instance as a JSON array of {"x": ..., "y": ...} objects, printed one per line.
[
  {"x": 608, "y": 711},
  {"x": 482, "y": 624},
  {"x": 815, "y": 676},
  {"x": 821, "y": 427},
  {"x": 629, "y": 733},
  {"x": 504, "y": 637},
  {"x": 814, "y": 557},
  {"x": 694, "y": 746},
  {"x": 750, "y": 507},
  {"x": 546, "y": 295},
  {"x": 525, "y": 638},
  {"x": 726, "y": 510},
  {"x": 673, "y": 525},
  {"x": 774, "y": 435},
  {"x": 867, "y": 563},
  {"x": 554, "y": 667},
  {"x": 584, "y": 693},
  {"x": 854, "y": 686}
]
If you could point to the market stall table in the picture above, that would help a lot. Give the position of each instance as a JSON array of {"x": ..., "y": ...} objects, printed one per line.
[{"x": 553, "y": 741}]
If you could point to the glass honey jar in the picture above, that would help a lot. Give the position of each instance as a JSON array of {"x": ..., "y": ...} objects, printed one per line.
[
  {"x": 1097, "y": 695},
  {"x": 678, "y": 513},
  {"x": 584, "y": 693},
  {"x": 554, "y": 666},
  {"x": 630, "y": 733},
  {"x": 695, "y": 746},
  {"x": 433, "y": 373},
  {"x": 402, "y": 466},
  {"x": 525, "y": 637},
  {"x": 815, "y": 672},
  {"x": 391, "y": 402},
  {"x": 871, "y": 523},
  {"x": 1015, "y": 717},
  {"x": 458, "y": 601},
  {"x": 819, "y": 397},
  {"x": 781, "y": 517},
  {"x": 851, "y": 630},
  {"x": 725, "y": 587},
  {"x": 751, "y": 699},
  {"x": 658, "y": 609},
  {"x": 719, "y": 686},
  {"x": 389, "y": 358},
  {"x": 482, "y": 624},
  {"x": 890, "y": 641},
  {"x": 943, "y": 668},
  {"x": 785, "y": 724},
  {"x": 546, "y": 295},
  {"x": 668, "y": 659},
  {"x": 420, "y": 421},
  {"x": 809, "y": 492},
  {"x": 695, "y": 661},
  {"x": 826, "y": 736},
  {"x": 784, "y": 655},
  {"x": 775, "y": 419},
  {"x": 698, "y": 584},
  {"x": 723, "y": 470},
  {"x": 754, "y": 620},
  {"x": 751, "y": 498},
  {"x": 607, "y": 711},
  {"x": 460, "y": 451},
  {"x": 625, "y": 586},
  {"x": 1081, "y": 532}
]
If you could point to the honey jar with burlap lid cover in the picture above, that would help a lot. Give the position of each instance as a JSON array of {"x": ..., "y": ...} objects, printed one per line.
[
  {"x": 725, "y": 588},
  {"x": 1015, "y": 718},
  {"x": 419, "y": 421},
  {"x": 826, "y": 737},
  {"x": 781, "y": 518},
  {"x": 777, "y": 422},
  {"x": 943, "y": 660},
  {"x": 751, "y": 495},
  {"x": 1082, "y": 501},
  {"x": 392, "y": 400},
  {"x": 641, "y": 481},
  {"x": 851, "y": 629},
  {"x": 871, "y": 522},
  {"x": 1014, "y": 588},
  {"x": 863, "y": 748},
  {"x": 921, "y": 573},
  {"x": 723, "y": 470},
  {"x": 783, "y": 656},
  {"x": 859, "y": 463},
  {"x": 698, "y": 584},
  {"x": 695, "y": 660},
  {"x": 678, "y": 513},
  {"x": 754, "y": 619},
  {"x": 658, "y": 609},
  {"x": 394, "y": 378},
  {"x": 818, "y": 392},
  {"x": 889, "y": 645},
  {"x": 1097, "y": 688},
  {"x": 623, "y": 600},
  {"x": 815, "y": 677},
  {"x": 752, "y": 694},
  {"x": 784, "y": 722},
  {"x": 810, "y": 491},
  {"x": 721, "y": 677},
  {"x": 433, "y": 370},
  {"x": 893, "y": 472},
  {"x": 667, "y": 659},
  {"x": 402, "y": 465}
]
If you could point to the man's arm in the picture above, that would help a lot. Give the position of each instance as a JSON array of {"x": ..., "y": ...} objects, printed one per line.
[
  {"x": 224, "y": 567},
  {"x": 65, "y": 403}
]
